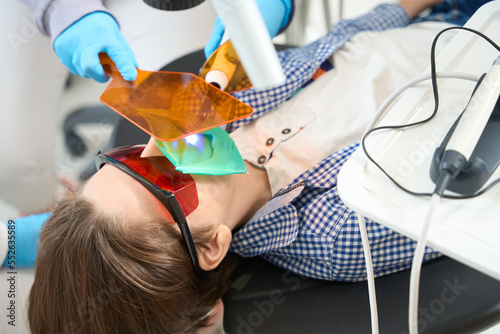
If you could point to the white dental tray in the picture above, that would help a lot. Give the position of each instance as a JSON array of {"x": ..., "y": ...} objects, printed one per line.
[{"x": 466, "y": 230}]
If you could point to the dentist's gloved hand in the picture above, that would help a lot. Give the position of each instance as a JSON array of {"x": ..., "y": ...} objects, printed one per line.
[
  {"x": 79, "y": 45},
  {"x": 276, "y": 14},
  {"x": 26, "y": 231}
]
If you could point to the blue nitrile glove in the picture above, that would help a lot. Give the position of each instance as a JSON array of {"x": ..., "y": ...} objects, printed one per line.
[
  {"x": 25, "y": 244},
  {"x": 276, "y": 14},
  {"x": 79, "y": 45}
]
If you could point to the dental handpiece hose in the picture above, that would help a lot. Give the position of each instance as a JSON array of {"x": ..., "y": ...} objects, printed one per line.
[
  {"x": 416, "y": 267},
  {"x": 251, "y": 41},
  {"x": 472, "y": 122}
]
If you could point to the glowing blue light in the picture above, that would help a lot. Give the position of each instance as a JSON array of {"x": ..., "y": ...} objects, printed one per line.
[
  {"x": 195, "y": 140},
  {"x": 192, "y": 139}
]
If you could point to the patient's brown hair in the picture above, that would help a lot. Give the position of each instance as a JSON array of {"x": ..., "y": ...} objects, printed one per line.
[{"x": 98, "y": 274}]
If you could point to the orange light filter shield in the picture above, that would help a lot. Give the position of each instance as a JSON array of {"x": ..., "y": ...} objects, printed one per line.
[{"x": 169, "y": 105}]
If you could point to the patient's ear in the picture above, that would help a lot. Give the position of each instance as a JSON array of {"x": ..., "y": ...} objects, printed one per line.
[{"x": 217, "y": 249}]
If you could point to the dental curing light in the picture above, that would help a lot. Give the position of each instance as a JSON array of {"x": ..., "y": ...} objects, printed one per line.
[
  {"x": 223, "y": 65},
  {"x": 252, "y": 41},
  {"x": 249, "y": 36}
]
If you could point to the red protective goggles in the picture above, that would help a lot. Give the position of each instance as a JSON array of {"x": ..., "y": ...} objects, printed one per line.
[
  {"x": 175, "y": 190},
  {"x": 158, "y": 171}
]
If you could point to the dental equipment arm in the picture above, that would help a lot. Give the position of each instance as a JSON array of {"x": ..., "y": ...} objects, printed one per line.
[{"x": 277, "y": 15}]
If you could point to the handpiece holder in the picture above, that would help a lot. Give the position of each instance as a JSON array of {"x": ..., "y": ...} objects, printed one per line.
[{"x": 471, "y": 150}]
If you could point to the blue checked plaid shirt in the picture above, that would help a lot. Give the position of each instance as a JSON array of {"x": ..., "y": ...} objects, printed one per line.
[{"x": 306, "y": 228}]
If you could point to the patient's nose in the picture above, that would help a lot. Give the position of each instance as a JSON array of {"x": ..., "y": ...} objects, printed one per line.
[{"x": 151, "y": 150}]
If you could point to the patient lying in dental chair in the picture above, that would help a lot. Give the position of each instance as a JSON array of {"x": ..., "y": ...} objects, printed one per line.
[{"x": 111, "y": 258}]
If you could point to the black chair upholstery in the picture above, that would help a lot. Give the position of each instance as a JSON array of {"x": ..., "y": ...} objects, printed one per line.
[{"x": 265, "y": 299}]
